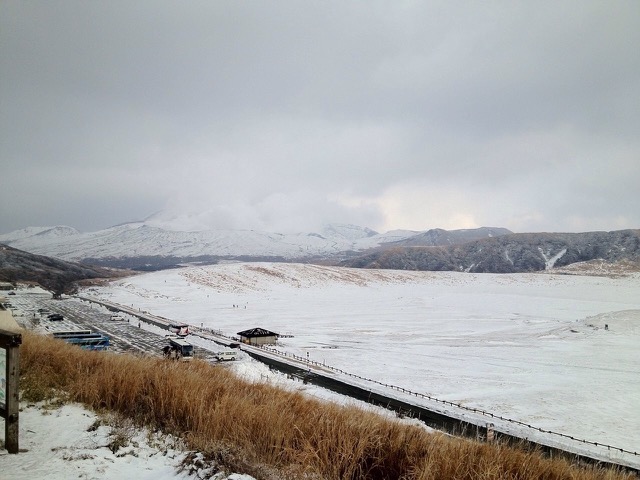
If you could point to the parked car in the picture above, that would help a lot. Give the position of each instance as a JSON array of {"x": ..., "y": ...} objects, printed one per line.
[
  {"x": 228, "y": 355},
  {"x": 55, "y": 317}
]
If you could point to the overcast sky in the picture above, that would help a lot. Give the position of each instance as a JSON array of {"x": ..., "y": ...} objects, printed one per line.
[{"x": 284, "y": 115}]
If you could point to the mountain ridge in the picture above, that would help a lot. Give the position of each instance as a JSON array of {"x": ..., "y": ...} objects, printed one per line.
[
  {"x": 55, "y": 275},
  {"x": 140, "y": 246},
  {"x": 139, "y": 239},
  {"x": 512, "y": 253}
]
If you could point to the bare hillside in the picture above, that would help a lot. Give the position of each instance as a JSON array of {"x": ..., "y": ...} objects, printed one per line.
[
  {"x": 523, "y": 252},
  {"x": 57, "y": 276}
]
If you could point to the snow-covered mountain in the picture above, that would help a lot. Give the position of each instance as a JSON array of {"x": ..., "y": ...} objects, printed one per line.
[
  {"x": 143, "y": 239},
  {"x": 38, "y": 232},
  {"x": 165, "y": 239}
]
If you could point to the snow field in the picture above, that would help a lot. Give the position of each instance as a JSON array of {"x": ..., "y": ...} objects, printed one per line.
[{"x": 531, "y": 347}]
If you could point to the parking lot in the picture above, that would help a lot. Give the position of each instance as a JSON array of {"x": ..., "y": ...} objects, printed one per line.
[{"x": 127, "y": 333}]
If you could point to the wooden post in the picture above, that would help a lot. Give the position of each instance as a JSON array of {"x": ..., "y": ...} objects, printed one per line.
[
  {"x": 490, "y": 432},
  {"x": 11, "y": 422},
  {"x": 11, "y": 341}
]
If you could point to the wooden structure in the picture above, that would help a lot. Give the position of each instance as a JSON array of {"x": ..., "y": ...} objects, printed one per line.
[
  {"x": 258, "y": 336},
  {"x": 10, "y": 340}
]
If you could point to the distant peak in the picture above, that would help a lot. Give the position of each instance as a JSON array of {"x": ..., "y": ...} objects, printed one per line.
[
  {"x": 349, "y": 231},
  {"x": 39, "y": 232},
  {"x": 59, "y": 231}
]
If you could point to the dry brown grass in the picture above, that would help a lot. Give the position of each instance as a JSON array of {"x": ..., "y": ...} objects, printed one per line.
[{"x": 266, "y": 431}]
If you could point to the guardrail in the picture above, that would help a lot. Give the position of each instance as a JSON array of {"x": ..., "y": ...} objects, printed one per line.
[
  {"x": 453, "y": 404},
  {"x": 455, "y": 425}
]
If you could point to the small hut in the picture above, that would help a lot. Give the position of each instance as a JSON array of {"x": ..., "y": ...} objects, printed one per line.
[{"x": 258, "y": 336}]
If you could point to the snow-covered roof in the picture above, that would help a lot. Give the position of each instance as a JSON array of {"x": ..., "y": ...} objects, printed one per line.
[
  {"x": 7, "y": 322},
  {"x": 257, "y": 332}
]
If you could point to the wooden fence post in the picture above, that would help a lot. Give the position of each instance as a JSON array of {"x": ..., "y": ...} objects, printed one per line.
[
  {"x": 490, "y": 432},
  {"x": 10, "y": 342}
]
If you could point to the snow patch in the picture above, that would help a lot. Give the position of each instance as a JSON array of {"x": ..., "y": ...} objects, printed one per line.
[
  {"x": 70, "y": 441},
  {"x": 549, "y": 262}
]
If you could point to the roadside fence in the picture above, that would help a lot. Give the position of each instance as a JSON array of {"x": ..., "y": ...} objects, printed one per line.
[{"x": 459, "y": 406}]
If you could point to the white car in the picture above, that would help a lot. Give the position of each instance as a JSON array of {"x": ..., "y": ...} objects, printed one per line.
[{"x": 227, "y": 355}]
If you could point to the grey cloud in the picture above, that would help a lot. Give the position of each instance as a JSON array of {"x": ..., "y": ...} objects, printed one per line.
[{"x": 245, "y": 109}]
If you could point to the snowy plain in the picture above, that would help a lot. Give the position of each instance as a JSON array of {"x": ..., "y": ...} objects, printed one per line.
[{"x": 558, "y": 352}]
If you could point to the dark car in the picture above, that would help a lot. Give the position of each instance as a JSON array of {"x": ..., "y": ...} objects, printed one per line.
[{"x": 55, "y": 317}]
